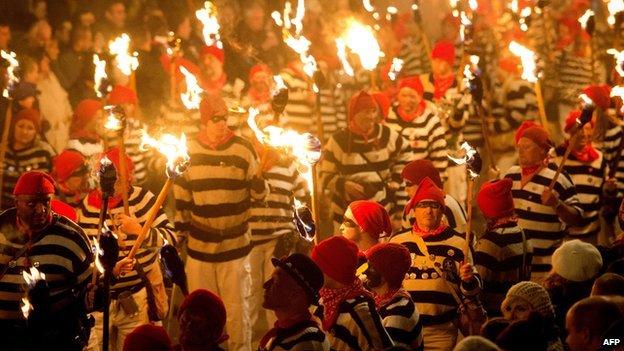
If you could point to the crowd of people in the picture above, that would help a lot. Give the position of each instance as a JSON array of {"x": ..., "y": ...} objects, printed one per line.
[{"x": 516, "y": 246}]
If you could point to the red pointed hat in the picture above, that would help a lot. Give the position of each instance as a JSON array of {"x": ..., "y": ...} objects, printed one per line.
[
  {"x": 412, "y": 82},
  {"x": 418, "y": 170},
  {"x": 495, "y": 199},
  {"x": 337, "y": 257},
  {"x": 371, "y": 217},
  {"x": 34, "y": 183},
  {"x": 359, "y": 102},
  {"x": 204, "y": 301},
  {"x": 427, "y": 190},
  {"x": 600, "y": 94},
  {"x": 84, "y": 113},
  {"x": 444, "y": 50}
]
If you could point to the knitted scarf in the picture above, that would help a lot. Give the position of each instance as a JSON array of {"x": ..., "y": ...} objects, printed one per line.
[
  {"x": 425, "y": 234},
  {"x": 202, "y": 136},
  {"x": 384, "y": 299},
  {"x": 332, "y": 298}
]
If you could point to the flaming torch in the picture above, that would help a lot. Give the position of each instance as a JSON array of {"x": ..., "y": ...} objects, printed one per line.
[
  {"x": 191, "y": 98},
  {"x": 12, "y": 81},
  {"x": 361, "y": 40},
  {"x": 530, "y": 74},
  {"x": 38, "y": 293},
  {"x": 100, "y": 77},
  {"x": 176, "y": 152},
  {"x": 126, "y": 63},
  {"x": 116, "y": 123},
  {"x": 588, "y": 24},
  {"x": 208, "y": 17},
  {"x": 395, "y": 68}
]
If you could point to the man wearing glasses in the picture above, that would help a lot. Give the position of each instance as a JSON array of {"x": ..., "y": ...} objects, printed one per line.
[{"x": 213, "y": 199}]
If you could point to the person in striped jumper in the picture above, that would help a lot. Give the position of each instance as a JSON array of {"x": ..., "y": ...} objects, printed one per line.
[
  {"x": 34, "y": 236},
  {"x": 71, "y": 173},
  {"x": 440, "y": 272},
  {"x": 412, "y": 50},
  {"x": 25, "y": 151},
  {"x": 293, "y": 287},
  {"x": 586, "y": 167},
  {"x": 128, "y": 282},
  {"x": 502, "y": 254},
  {"x": 388, "y": 264},
  {"x": 213, "y": 202},
  {"x": 413, "y": 174},
  {"x": 349, "y": 315},
  {"x": 542, "y": 213},
  {"x": 299, "y": 113},
  {"x": 363, "y": 162}
]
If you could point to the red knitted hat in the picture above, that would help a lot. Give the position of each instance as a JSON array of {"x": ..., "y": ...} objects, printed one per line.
[
  {"x": 600, "y": 94},
  {"x": 122, "y": 95},
  {"x": 337, "y": 257},
  {"x": 257, "y": 68},
  {"x": 84, "y": 113},
  {"x": 64, "y": 209},
  {"x": 372, "y": 218},
  {"x": 383, "y": 103},
  {"x": 391, "y": 261},
  {"x": 214, "y": 51},
  {"x": 34, "y": 183},
  {"x": 147, "y": 337},
  {"x": 212, "y": 105},
  {"x": 29, "y": 114},
  {"x": 67, "y": 163},
  {"x": 418, "y": 170},
  {"x": 444, "y": 50},
  {"x": 510, "y": 64},
  {"x": 207, "y": 302},
  {"x": 535, "y": 132},
  {"x": 359, "y": 102},
  {"x": 113, "y": 155},
  {"x": 571, "y": 120},
  {"x": 495, "y": 199},
  {"x": 427, "y": 190},
  {"x": 412, "y": 82}
]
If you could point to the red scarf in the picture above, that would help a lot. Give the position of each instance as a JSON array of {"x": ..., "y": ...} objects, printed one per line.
[
  {"x": 441, "y": 85},
  {"x": 408, "y": 117},
  {"x": 204, "y": 140},
  {"x": 425, "y": 234},
  {"x": 587, "y": 155},
  {"x": 383, "y": 300},
  {"x": 501, "y": 222},
  {"x": 527, "y": 171},
  {"x": 332, "y": 298},
  {"x": 94, "y": 199},
  {"x": 279, "y": 327}
]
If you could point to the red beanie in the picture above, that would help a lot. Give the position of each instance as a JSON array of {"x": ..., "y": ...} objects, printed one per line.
[
  {"x": 84, "y": 113},
  {"x": 29, "y": 114},
  {"x": 495, "y": 200},
  {"x": 412, "y": 82},
  {"x": 444, "y": 50},
  {"x": 535, "y": 132},
  {"x": 257, "y": 68},
  {"x": 147, "y": 337},
  {"x": 600, "y": 94},
  {"x": 207, "y": 302},
  {"x": 67, "y": 163},
  {"x": 383, "y": 103},
  {"x": 337, "y": 257},
  {"x": 214, "y": 51},
  {"x": 427, "y": 190},
  {"x": 372, "y": 218},
  {"x": 34, "y": 183},
  {"x": 113, "y": 155},
  {"x": 571, "y": 120},
  {"x": 212, "y": 105},
  {"x": 359, "y": 102},
  {"x": 122, "y": 95},
  {"x": 510, "y": 64},
  {"x": 64, "y": 209},
  {"x": 418, "y": 170},
  {"x": 391, "y": 261}
]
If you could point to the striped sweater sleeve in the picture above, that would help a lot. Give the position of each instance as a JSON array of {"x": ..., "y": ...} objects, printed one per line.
[{"x": 359, "y": 327}]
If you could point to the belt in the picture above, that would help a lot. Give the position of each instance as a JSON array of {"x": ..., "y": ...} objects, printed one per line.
[{"x": 114, "y": 295}]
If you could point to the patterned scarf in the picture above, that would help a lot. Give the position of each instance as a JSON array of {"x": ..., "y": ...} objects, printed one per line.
[
  {"x": 332, "y": 298},
  {"x": 202, "y": 136},
  {"x": 425, "y": 234},
  {"x": 383, "y": 300}
]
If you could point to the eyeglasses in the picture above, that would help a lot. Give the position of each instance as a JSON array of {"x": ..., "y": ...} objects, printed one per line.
[
  {"x": 217, "y": 119},
  {"x": 429, "y": 204}
]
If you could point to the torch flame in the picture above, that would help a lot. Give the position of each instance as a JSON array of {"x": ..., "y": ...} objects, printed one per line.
[
  {"x": 529, "y": 67},
  {"x": 297, "y": 21},
  {"x": 474, "y": 4},
  {"x": 100, "y": 75},
  {"x": 368, "y": 6},
  {"x": 279, "y": 85},
  {"x": 33, "y": 277},
  {"x": 173, "y": 148},
  {"x": 208, "y": 17},
  {"x": 13, "y": 65},
  {"x": 395, "y": 68},
  {"x": 614, "y": 7},
  {"x": 119, "y": 48},
  {"x": 191, "y": 98},
  {"x": 361, "y": 40},
  {"x": 586, "y": 16},
  {"x": 342, "y": 55},
  {"x": 469, "y": 154},
  {"x": 619, "y": 60},
  {"x": 26, "y": 307},
  {"x": 112, "y": 122}
]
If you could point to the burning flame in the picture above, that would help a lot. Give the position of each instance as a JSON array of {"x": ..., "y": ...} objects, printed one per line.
[
  {"x": 112, "y": 122},
  {"x": 586, "y": 16},
  {"x": 395, "y": 68},
  {"x": 361, "y": 40},
  {"x": 279, "y": 85},
  {"x": 208, "y": 17},
  {"x": 173, "y": 148},
  {"x": 191, "y": 98},
  {"x": 464, "y": 23},
  {"x": 587, "y": 101},
  {"x": 453, "y": 4},
  {"x": 529, "y": 67},
  {"x": 100, "y": 75},
  {"x": 13, "y": 65},
  {"x": 473, "y": 4},
  {"x": 26, "y": 307},
  {"x": 120, "y": 49},
  {"x": 342, "y": 55},
  {"x": 619, "y": 60},
  {"x": 614, "y": 7},
  {"x": 368, "y": 6},
  {"x": 33, "y": 277},
  {"x": 469, "y": 154}
]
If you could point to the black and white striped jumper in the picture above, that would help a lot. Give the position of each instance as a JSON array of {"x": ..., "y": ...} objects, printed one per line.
[
  {"x": 140, "y": 201},
  {"x": 402, "y": 321},
  {"x": 37, "y": 157},
  {"x": 373, "y": 164},
  {"x": 414, "y": 56},
  {"x": 273, "y": 216},
  {"x": 300, "y": 109},
  {"x": 331, "y": 115},
  {"x": 588, "y": 179},
  {"x": 609, "y": 148},
  {"x": 132, "y": 139},
  {"x": 499, "y": 256},
  {"x": 573, "y": 73},
  {"x": 303, "y": 336},
  {"x": 454, "y": 215},
  {"x": 540, "y": 223},
  {"x": 61, "y": 251},
  {"x": 358, "y": 327},
  {"x": 213, "y": 200},
  {"x": 430, "y": 293},
  {"x": 514, "y": 101}
]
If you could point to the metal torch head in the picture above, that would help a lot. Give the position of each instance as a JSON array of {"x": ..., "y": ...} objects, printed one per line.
[
  {"x": 304, "y": 221},
  {"x": 279, "y": 101},
  {"x": 313, "y": 148},
  {"x": 178, "y": 167},
  {"x": 107, "y": 175},
  {"x": 109, "y": 249}
]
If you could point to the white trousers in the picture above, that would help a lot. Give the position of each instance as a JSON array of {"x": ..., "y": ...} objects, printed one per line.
[
  {"x": 441, "y": 337},
  {"x": 261, "y": 270},
  {"x": 232, "y": 282},
  {"x": 120, "y": 324}
]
